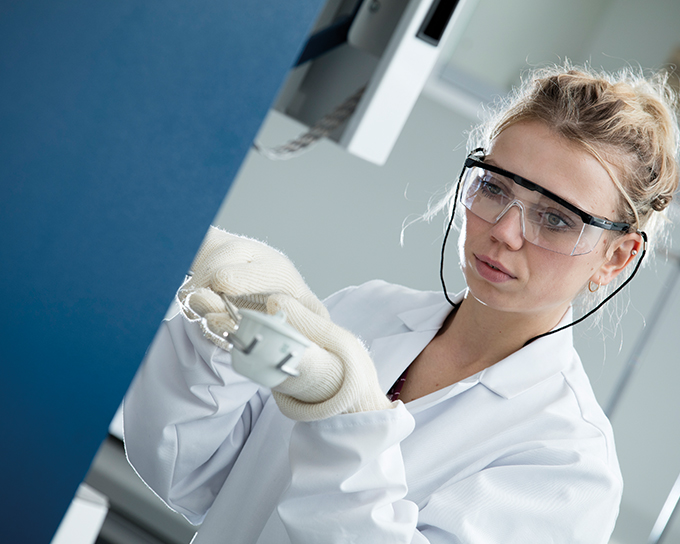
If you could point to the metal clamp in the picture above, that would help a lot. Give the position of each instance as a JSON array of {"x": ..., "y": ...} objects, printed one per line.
[{"x": 264, "y": 347}]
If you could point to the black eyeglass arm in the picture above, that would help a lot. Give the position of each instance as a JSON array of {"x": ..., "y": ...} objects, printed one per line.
[{"x": 609, "y": 225}]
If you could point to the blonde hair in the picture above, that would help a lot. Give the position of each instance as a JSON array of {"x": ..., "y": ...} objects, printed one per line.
[{"x": 622, "y": 119}]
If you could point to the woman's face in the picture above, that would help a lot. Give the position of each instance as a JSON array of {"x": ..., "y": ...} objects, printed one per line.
[{"x": 533, "y": 280}]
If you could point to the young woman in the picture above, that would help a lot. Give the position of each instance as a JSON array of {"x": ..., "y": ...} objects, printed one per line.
[{"x": 491, "y": 432}]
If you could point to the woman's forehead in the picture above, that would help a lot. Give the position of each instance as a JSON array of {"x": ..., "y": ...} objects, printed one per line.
[{"x": 536, "y": 152}]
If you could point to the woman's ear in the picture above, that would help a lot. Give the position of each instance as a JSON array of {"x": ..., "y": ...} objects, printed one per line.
[{"x": 619, "y": 254}]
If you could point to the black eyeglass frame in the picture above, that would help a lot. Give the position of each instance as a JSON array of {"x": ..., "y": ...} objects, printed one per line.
[{"x": 587, "y": 218}]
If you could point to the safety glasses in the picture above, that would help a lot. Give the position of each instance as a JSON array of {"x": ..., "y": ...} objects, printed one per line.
[{"x": 547, "y": 220}]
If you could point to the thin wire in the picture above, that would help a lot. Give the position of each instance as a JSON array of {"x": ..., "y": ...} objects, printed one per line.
[{"x": 446, "y": 237}]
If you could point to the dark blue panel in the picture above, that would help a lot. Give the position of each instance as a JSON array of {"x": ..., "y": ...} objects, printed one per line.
[{"x": 122, "y": 125}]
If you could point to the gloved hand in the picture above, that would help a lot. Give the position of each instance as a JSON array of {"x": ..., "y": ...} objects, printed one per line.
[
  {"x": 245, "y": 272},
  {"x": 336, "y": 374}
]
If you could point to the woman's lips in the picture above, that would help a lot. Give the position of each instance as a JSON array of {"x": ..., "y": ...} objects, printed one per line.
[{"x": 492, "y": 270}]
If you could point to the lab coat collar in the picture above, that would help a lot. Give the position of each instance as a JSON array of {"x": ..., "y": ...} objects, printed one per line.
[
  {"x": 429, "y": 317},
  {"x": 519, "y": 371},
  {"x": 531, "y": 364}
]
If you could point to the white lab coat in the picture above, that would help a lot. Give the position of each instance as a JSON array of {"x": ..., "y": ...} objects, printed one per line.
[{"x": 519, "y": 452}]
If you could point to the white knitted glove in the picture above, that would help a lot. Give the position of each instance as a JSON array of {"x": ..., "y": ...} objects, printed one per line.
[
  {"x": 244, "y": 271},
  {"x": 336, "y": 374}
]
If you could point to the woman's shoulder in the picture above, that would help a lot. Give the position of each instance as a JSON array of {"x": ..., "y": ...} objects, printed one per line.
[
  {"x": 381, "y": 296},
  {"x": 374, "y": 307}
]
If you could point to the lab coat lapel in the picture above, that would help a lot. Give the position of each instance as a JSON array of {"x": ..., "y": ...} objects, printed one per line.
[
  {"x": 532, "y": 364},
  {"x": 393, "y": 353}
]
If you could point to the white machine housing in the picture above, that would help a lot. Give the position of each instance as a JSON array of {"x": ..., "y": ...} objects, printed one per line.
[{"x": 392, "y": 47}]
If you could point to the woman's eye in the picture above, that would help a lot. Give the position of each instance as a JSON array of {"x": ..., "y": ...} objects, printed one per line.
[
  {"x": 491, "y": 188},
  {"x": 552, "y": 220}
]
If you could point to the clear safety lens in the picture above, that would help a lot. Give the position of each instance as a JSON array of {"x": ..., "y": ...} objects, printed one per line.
[{"x": 546, "y": 223}]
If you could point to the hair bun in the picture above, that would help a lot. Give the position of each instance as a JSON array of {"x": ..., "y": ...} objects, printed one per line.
[{"x": 661, "y": 202}]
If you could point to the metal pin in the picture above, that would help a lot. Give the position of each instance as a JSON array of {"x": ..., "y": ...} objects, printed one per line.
[{"x": 285, "y": 369}]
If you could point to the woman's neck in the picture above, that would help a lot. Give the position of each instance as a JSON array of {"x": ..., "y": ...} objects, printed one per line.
[{"x": 481, "y": 336}]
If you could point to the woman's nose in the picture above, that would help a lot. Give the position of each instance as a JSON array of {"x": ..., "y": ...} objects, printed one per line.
[{"x": 509, "y": 226}]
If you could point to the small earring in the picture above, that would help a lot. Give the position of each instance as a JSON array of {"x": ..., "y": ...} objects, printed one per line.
[
  {"x": 590, "y": 286},
  {"x": 634, "y": 252}
]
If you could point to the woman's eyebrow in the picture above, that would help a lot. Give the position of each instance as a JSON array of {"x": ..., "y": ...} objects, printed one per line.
[{"x": 489, "y": 160}]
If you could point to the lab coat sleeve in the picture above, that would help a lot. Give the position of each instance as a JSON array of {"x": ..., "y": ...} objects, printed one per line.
[
  {"x": 186, "y": 417},
  {"x": 348, "y": 482},
  {"x": 348, "y": 485}
]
